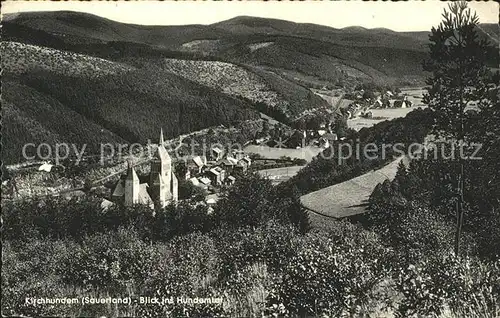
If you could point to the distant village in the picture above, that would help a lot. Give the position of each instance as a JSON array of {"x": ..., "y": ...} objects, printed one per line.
[{"x": 366, "y": 100}]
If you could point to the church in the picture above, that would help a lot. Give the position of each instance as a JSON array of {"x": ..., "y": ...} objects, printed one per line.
[{"x": 160, "y": 188}]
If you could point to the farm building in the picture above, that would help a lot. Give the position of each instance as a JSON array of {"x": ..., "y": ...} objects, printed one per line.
[
  {"x": 405, "y": 103},
  {"x": 216, "y": 153}
]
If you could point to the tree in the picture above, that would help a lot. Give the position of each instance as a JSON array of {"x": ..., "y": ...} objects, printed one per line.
[
  {"x": 246, "y": 203},
  {"x": 369, "y": 94},
  {"x": 458, "y": 65}
]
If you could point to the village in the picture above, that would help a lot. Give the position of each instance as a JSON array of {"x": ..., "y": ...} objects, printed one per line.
[{"x": 276, "y": 152}]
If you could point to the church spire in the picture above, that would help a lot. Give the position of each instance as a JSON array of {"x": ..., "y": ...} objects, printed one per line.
[
  {"x": 131, "y": 174},
  {"x": 162, "y": 142}
]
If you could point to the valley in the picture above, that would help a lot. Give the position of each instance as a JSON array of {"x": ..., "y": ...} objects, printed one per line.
[{"x": 249, "y": 167}]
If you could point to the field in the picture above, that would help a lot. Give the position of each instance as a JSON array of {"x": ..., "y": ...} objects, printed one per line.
[
  {"x": 277, "y": 175},
  {"x": 349, "y": 197},
  {"x": 379, "y": 115},
  {"x": 414, "y": 95},
  {"x": 306, "y": 153}
]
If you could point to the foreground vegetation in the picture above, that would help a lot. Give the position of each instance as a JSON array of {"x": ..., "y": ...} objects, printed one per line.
[
  {"x": 260, "y": 251},
  {"x": 257, "y": 250}
]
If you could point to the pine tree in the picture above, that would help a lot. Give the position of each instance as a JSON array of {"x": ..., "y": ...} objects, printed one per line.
[{"x": 458, "y": 65}]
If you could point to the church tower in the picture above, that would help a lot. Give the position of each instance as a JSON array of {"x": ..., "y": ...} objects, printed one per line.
[
  {"x": 160, "y": 178},
  {"x": 131, "y": 187}
]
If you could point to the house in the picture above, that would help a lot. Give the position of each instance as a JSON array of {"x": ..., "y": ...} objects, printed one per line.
[
  {"x": 106, "y": 204},
  {"x": 199, "y": 184},
  {"x": 323, "y": 143},
  {"x": 228, "y": 164},
  {"x": 262, "y": 140},
  {"x": 405, "y": 103},
  {"x": 161, "y": 188},
  {"x": 210, "y": 201},
  {"x": 353, "y": 110},
  {"x": 330, "y": 137},
  {"x": 216, "y": 175},
  {"x": 327, "y": 140},
  {"x": 238, "y": 154},
  {"x": 195, "y": 165},
  {"x": 216, "y": 153},
  {"x": 45, "y": 167},
  {"x": 240, "y": 167},
  {"x": 378, "y": 104},
  {"x": 246, "y": 160},
  {"x": 399, "y": 104},
  {"x": 230, "y": 180},
  {"x": 205, "y": 182}
]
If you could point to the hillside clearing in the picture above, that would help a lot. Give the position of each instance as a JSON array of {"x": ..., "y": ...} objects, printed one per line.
[
  {"x": 350, "y": 197},
  {"x": 306, "y": 153},
  {"x": 278, "y": 175},
  {"x": 379, "y": 115}
]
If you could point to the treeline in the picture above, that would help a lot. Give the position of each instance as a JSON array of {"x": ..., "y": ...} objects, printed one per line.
[
  {"x": 252, "y": 201},
  {"x": 113, "y": 50},
  {"x": 414, "y": 215}
]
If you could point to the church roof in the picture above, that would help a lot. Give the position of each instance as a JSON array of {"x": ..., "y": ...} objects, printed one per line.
[
  {"x": 162, "y": 141},
  {"x": 161, "y": 153},
  {"x": 131, "y": 174},
  {"x": 198, "y": 161},
  {"x": 119, "y": 189}
]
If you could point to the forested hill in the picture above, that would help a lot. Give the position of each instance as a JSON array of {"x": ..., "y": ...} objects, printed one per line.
[{"x": 110, "y": 81}]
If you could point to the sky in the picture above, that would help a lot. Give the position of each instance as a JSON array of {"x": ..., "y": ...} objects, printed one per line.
[{"x": 399, "y": 16}]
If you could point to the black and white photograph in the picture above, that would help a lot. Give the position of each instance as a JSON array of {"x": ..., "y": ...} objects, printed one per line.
[{"x": 250, "y": 159}]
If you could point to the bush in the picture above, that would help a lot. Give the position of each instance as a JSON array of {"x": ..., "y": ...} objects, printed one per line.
[
  {"x": 30, "y": 270},
  {"x": 187, "y": 267},
  {"x": 109, "y": 262},
  {"x": 328, "y": 276},
  {"x": 467, "y": 287}
]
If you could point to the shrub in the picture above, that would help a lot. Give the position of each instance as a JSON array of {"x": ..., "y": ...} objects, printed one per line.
[
  {"x": 465, "y": 286},
  {"x": 29, "y": 270},
  {"x": 328, "y": 277},
  {"x": 187, "y": 267},
  {"x": 110, "y": 261}
]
